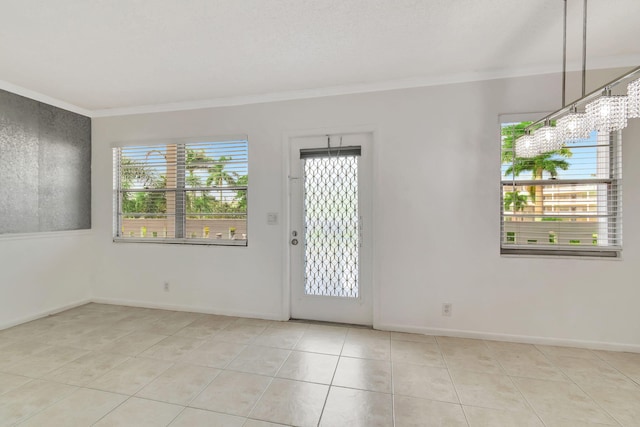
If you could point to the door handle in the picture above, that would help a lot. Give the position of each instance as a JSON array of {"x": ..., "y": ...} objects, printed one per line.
[{"x": 294, "y": 242}]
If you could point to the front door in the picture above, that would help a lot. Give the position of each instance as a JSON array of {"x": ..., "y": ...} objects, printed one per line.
[{"x": 330, "y": 228}]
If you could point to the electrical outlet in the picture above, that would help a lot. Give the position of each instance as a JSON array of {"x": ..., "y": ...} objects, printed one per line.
[
  {"x": 166, "y": 286},
  {"x": 447, "y": 309}
]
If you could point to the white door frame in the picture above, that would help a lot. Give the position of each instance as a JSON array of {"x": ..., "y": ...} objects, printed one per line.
[{"x": 286, "y": 209}]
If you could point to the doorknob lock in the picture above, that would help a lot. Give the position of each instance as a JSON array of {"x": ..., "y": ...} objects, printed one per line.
[{"x": 294, "y": 242}]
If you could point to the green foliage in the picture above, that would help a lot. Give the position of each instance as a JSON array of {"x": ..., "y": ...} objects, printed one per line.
[
  {"x": 550, "y": 218},
  {"x": 515, "y": 200}
]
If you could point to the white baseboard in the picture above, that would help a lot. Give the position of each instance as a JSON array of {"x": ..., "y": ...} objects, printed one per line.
[
  {"x": 192, "y": 309},
  {"x": 526, "y": 339},
  {"x": 42, "y": 314}
]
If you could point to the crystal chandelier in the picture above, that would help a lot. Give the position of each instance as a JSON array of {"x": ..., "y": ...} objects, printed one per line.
[
  {"x": 525, "y": 147},
  {"x": 633, "y": 104},
  {"x": 573, "y": 126},
  {"x": 603, "y": 112},
  {"x": 546, "y": 139},
  {"x": 608, "y": 113}
]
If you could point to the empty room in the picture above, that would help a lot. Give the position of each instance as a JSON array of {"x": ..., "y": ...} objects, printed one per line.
[{"x": 319, "y": 213}]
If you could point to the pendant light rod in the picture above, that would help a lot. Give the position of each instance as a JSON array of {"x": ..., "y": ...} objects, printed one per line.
[
  {"x": 588, "y": 97},
  {"x": 584, "y": 47},
  {"x": 564, "y": 57}
]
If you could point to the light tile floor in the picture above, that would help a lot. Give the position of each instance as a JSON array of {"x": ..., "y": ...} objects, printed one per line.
[{"x": 108, "y": 365}]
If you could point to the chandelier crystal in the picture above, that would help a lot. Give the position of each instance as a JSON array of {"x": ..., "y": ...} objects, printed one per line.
[
  {"x": 608, "y": 113},
  {"x": 525, "y": 147},
  {"x": 573, "y": 127},
  {"x": 633, "y": 92},
  {"x": 546, "y": 139}
]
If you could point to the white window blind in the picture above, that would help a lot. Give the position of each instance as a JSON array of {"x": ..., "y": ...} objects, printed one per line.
[
  {"x": 565, "y": 202},
  {"x": 184, "y": 192}
]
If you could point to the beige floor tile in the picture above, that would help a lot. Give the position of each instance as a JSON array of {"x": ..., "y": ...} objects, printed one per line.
[
  {"x": 530, "y": 365},
  {"x": 364, "y": 374},
  {"x": 18, "y": 351},
  {"x": 423, "y": 381},
  {"x": 9, "y": 382},
  {"x": 258, "y": 423},
  {"x": 97, "y": 338},
  {"x": 240, "y": 333},
  {"x": 197, "y": 417},
  {"x": 417, "y": 353},
  {"x": 39, "y": 364},
  {"x": 205, "y": 328},
  {"x": 403, "y": 336},
  {"x": 561, "y": 422},
  {"x": 172, "y": 348},
  {"x": 311, "y": 367},
  {"x": 233, "y": 393},
  {"x": 65, "y": 333},
  {"x": 86, "y": 368},
  {"x": 561, "y": 400},
  {"x": 30, "y": 330},
  {"x": 621, "y": 404},
  {"x": 24, "y": 401},
  {"x": 627, "y": 363},
  {"x": 414, "y": 412},
  {"x": 487, "y": 390},
  {"x": 179, "y": 384},
  {"x": 141, "y": 413},
  {"x": 291, "y": 403},
  {"x": 130, "y": 376},
  {"x": 280, "y": 337},
  {"x": 474, "y": 362},
  {"x": 451, "y": 346},
  {"x": 261, "y": 360},
  {"x": 504, "y": 347},
  {"x": 213, "y": 353},
  {"x": 83, "y": 407},
  {"x": 485, "y": 417},
  {"x": 593, "y": 372},
  {"x": 327, "y": 340},
  {"x": 357, "y": 408},
  {"x": 133, "y": 344},
  {"x": 556, "y": 351},
  {"x": 367, "y": 346}
]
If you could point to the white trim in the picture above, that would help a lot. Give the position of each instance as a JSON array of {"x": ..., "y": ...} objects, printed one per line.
[
  {"x": 424, "y": 81},
  {"x": 45, "y": 235},
  {"x": 44, "y": 313},
  {"x": 526, "y": 339},
  {"x": 187, "y": 308},
  {"x": 37, "y": 96}
]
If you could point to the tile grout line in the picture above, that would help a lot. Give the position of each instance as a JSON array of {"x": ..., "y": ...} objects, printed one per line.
[{"x": 444, "y": 360}]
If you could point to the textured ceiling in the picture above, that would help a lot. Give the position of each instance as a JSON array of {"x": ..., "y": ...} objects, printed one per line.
[{"x": 121, "y": 54}]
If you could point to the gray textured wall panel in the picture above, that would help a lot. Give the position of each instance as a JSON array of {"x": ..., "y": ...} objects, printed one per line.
[
  {"x": 65, "y": 170},
  {"x": 45, "y": 167}
]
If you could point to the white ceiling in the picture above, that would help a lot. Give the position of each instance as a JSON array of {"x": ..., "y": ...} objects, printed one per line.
[{"x": 115, "y": 56}]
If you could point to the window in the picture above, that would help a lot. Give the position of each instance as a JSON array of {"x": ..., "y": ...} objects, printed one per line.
[
  {"x": 182, "y": 192},
  {"x": 565, "y": 202}
]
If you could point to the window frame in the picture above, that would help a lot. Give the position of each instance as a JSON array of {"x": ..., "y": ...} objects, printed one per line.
[
  {"x": 512, "y": 248},
  {"x": 181, "y": 168}
]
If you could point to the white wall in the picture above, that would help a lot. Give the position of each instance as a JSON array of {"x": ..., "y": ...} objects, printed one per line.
[
  {"x": 437, "y": 164},
  {"x": 43, "y": 273}
]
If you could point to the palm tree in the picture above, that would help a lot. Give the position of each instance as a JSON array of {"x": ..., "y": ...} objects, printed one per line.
[
  {"x": 546, "y": 162},
  {"x": 516, "y": 201},
  {"x": 219, "y": 177}
]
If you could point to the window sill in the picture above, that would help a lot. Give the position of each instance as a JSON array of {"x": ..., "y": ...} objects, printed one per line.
[
  {"x": 200, "y": 242},
  {"x": 561, "y": 253}
]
